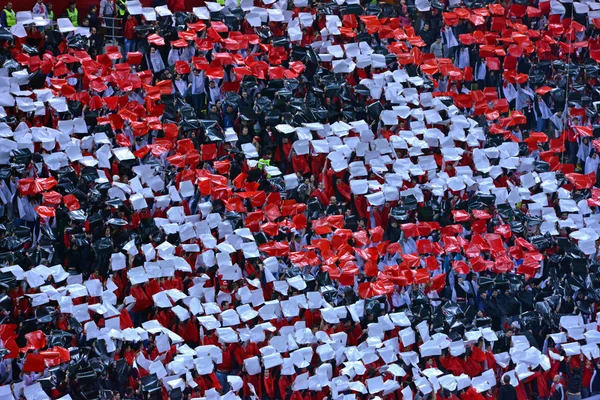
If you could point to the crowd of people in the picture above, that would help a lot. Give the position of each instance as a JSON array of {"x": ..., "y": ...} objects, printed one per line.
[{"x": 272, "y": 199}]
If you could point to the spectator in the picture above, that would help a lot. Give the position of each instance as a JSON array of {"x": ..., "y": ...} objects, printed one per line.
[
  {"x": 427, "y": 35},
  {"x": 595, "y": 380},
  {"x": 507, "y": 390},
  {"x": 107, "y": 12},
  {"x": 586, "y": 379},
  {"x": 437, "y": 48},
  {"x": 583, "y": 152},
  {"x": 480, "y": 73},
  {"x": 229, "y": 115},
  {"x": 40, "y": 9},
  {"x": 557, "y": 124},
  {"x": 96, "y": 41},
  {"x": 156, "y": 62},
  {"x": 180, "y": 87},
  {"x": 557, "y": 391},
  {"x": 462, "y": 58},
  {"x": 592, "y": 163},
  {"x": 542, "y": 113},
  {"x": 214, "y": 94},
  {"x": 574, "y": 383},
  {"x": 92, "y": 16},
  {"x": 197, "y": 82},
  {"x": 129, "y": 34}
]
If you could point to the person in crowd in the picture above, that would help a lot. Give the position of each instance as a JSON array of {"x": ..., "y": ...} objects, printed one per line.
[
  {"x": 557, "y": 390},
  {"x": 213, "y": 92},
  {"x": 427, "y": 35},
  {"x": 574, "y": 383},
  {"x": 437, "y": 48},
  {"x": 92, "y": 16},
  {"x": 40, "y": 9},
  {"x": 507, "y": 390},
  {"x": 557, "y": 124},
  {"x": 197, "y": 84},
  {"x": 107, "y": 9},
  {"x": 96, "y": 41},
  {"x": 129, "y": 34}
]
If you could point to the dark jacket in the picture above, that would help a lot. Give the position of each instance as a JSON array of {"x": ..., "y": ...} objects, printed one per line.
[
  {"x": 574, "y": 383},
  {"x": 595, "y": 383},
  {"x": 559, "y": 393},
  {"x": 507, "y": 392}
]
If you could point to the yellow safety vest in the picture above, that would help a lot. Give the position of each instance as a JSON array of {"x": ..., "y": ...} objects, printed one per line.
[
  {"x": 11, "y": 17},
  {"x": 73, "y": 16},
  {"x": 51, "y": 15},
  {"x": 121, "y": 7},
  {"x": 263, "y": 163},
  {"x": 222, "y": 2}
]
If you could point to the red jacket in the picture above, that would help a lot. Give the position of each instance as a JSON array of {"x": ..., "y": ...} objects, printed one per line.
[
  {"x": 129, "y": 30},
  {"x": 141, "y": 300}
]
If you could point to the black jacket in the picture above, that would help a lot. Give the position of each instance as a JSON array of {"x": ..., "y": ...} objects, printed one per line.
[
  {"x": 559, "y": 394},
  {"x": 574, "y": 384},
  {"x": 507, "y": 392},
  {"x": 595, "y": 383}
]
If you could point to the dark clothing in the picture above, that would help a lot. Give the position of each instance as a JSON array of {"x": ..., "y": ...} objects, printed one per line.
[
  {"x": 93, "y": 19},
  {"x": 574, "y": 383},
  {"x": 505, "y": 304},
  {"x": 523, "y": 66},
  {"x": 435, "y": 23},
  {"x": 559, "y": 394},
  {"x": 427, "y": 36},
  {"x": 566, "y": 307},
  {"x": 334, "y": 210},
  {"x": 3, "y": 18},
  {"x": 229, "y": 119},
  {"x": 503, "y": 343},
  {"x": 392, "y": 234},
  {"x": 215, "y": 116},
  {"x": 526, "y": 298},
  {"x": 492, "y": 308},
  {"x": 507, "y": 392},
  {"x": 595, "y": 383},
  {"x": 97, "y": 42},
  {"x": 244, "y": 139}
]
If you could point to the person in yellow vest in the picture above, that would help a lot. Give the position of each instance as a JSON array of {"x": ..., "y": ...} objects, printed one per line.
[
  {"x": 50, "y": 12},
  {"x": 121, "y": 8},
  {"x": 9, "y": 17},
  {"x": 265, "y": 160},
  {"x": 73, "y": 14}
]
